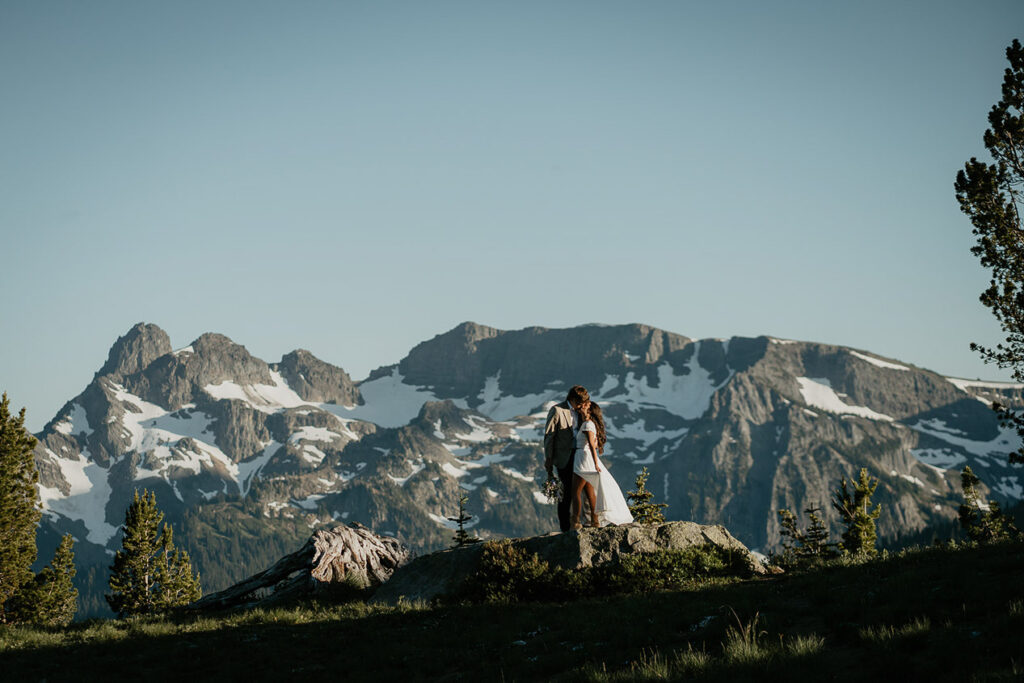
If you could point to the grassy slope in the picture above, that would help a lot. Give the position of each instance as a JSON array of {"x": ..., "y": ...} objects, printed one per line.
[{"x": 933, "y": 614}]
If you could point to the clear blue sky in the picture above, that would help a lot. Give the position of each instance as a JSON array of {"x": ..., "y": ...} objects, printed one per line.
[{"x": 355, "y": 177}]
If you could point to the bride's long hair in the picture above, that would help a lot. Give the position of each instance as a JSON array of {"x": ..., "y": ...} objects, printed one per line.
[{"x": 591, "y": 411}]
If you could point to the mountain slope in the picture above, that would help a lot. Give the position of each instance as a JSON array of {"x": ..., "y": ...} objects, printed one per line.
[{"x": 247, "y": 456}]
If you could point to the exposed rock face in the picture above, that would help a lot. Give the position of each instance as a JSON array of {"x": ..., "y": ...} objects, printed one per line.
[
  {"x": 351, "y": 554},
  {"x": 246, "y": 457},
  {"x": 444, "y": 572},
  {"x": 139, "y": 347},
  {"x": 457, "y": 364},
  {"x": 315, "y": 380}
]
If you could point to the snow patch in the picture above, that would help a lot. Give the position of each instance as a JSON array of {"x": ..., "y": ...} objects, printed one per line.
[
  {"x": 389, "y": 401},
  {"x": 87, "y": 499},
  {"x": 687, "y": 396},
  {"x": 878, "y": 362},
  {"x": 309, "y": 502},
  {"x": 939, "y": 458},
  {"x": 449, "y": 524},
  {"x": 416, "y": 469},
  {"x": 818, "y": 392},
  {"x": 964, "y": 384},
  {"x": 313, "y": 434},
  {"x": 499, "y": 407},
  {"x": 267, "y": 398},
  {"x": 1010, "y": 487},
  {"x": 75, "y": 423},
  {"x": 1004, "y": 443}
]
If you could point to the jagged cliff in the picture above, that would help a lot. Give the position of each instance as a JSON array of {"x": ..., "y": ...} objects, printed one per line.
[{"x": 247, "y": 456}]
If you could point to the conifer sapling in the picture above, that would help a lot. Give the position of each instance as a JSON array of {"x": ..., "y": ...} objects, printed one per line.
[
  {"x": 853, "y": 508},
  {"x": 642, "y": 506},
  {"x": 462, "y": 536}
]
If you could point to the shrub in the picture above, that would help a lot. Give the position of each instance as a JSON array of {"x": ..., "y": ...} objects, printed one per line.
[
  {"x": 674, "y": 569},
  {"x": 509, "y": 574},
  {"x": 506, "y": 573}
]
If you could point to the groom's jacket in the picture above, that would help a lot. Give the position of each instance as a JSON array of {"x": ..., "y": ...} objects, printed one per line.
[{"x": 559, "y": 440}]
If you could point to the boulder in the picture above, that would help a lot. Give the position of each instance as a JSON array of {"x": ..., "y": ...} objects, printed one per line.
[
  {"x": 430, "y": 576},
  {"x": 349, "y": 555}
]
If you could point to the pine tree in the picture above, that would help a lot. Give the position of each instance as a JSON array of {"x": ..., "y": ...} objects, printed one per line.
[
  {"x": 51, "y": 598},
  {"x": 19, "y": 505},
  {"x": 148, "y": 575},
  {"x": 991, "y": 196},
  {"x": 860, "y": 535},
  {"x": 461, "y": 536},
  {"x": 178, "y": 586},
  {"x": 642, "y": 506},
  {"x": 801, "y": 547},
  {"x": 981, "y": 525}
]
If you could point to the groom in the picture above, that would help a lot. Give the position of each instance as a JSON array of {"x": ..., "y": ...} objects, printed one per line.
[{"x": 560, "y": 444}]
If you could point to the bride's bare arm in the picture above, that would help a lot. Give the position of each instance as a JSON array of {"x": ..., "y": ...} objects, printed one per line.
[{"x": 592, "y": 440}]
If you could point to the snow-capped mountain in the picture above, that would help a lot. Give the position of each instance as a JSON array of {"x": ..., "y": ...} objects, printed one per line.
[{"x": 246, "y": 456}]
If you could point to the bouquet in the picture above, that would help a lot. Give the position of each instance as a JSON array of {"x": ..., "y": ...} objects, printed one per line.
[{"x": 552, "y": 489}]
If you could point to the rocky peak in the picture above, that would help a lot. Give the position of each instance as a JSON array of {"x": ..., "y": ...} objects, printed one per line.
[
  {"x": 460, "y": 362},
  {"x": 135, "y": 350},
  {"x": 180, "y": 377},
  {"x": 218, "y": 359},
  {"x": 316, "y": 380},
  {"x": 445, "y": 417}
]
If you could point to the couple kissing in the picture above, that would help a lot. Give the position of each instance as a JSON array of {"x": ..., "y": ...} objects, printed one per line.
[{"x": 574, "y": 439}]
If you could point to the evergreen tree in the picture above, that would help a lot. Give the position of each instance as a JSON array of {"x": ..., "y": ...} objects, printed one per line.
[
  {"x": 19, "y": 505},
  {"x": 461, "y": 536},
  {"x": 51, "y": 598},
  {"x": 802, "y": 547},
  {"x": 642, "y": 506},
  {"x": 982, "y": 525},
  {"x": 148, "y": 574},
  {"x": 852, "y": 506},
  {"x": 991, "y": 196},
  {"x": 178, "y": 586}
]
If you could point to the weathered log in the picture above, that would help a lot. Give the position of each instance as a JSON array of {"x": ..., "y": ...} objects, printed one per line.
[{"x": 352, "y": 555}]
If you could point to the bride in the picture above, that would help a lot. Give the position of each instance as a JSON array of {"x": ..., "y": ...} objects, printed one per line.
[{"x": 589, "y": 474}]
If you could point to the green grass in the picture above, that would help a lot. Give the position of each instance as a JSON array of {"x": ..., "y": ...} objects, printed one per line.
[{"x": 935, "y": 614}]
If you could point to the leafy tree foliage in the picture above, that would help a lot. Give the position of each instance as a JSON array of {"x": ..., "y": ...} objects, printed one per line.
[
  {"x": 462, "y": 537},
  {"x": 853, "y": 508},
  {"x": 980, "y": 524},
  {"x": 642, "y": 505},
  {"x": 149, "y": 575},
  {"x": 801, "y": 547},
  {"x": 51, "y": 598},
  {"x": 990, "y": 195},
  {"x": 19, "y": 505}
]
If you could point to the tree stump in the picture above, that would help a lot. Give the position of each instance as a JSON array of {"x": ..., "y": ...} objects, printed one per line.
[{"x": 346, "y": 555}]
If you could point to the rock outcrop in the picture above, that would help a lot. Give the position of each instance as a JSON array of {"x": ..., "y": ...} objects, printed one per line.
[
  {"x": 440, "y": 573},
  {"x": 351, "y": 555}
]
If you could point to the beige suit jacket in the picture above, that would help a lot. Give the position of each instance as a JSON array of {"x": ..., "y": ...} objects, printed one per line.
[{"x": 559, "y": 441}]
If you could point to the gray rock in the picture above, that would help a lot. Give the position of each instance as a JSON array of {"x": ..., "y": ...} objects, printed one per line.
[
  {"x": 315, "y": 380},
  {"x": 430, "y": 576},
  {"x": 134, "y": 351}
]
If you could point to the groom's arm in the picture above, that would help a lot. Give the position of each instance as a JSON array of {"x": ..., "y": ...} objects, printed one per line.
[{"x": 549, "y": 439}]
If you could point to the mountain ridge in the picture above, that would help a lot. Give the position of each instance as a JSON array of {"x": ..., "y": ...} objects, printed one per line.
[{"x": 730, "y": 429}]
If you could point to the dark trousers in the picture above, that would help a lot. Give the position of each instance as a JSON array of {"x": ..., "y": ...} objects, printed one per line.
[{"x": 565, "y": 505}]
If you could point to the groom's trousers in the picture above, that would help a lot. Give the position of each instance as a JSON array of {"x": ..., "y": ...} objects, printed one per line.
[{"x": 565, "y": 505}]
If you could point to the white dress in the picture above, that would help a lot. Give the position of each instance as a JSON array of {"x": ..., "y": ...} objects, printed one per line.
[{"x": 611, "y": 505}]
